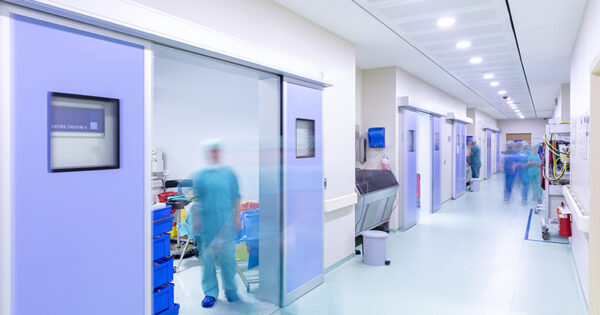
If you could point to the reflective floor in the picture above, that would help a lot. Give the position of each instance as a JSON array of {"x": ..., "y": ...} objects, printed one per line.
[
  {"x": 468, "y": 258},
  {"x": 188, "y": 293}
]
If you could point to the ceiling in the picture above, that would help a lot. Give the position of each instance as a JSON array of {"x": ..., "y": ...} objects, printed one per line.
[{"x": 405, "y": 33}]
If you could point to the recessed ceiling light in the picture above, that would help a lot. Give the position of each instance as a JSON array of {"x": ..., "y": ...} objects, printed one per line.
[
  {"x": 463, "y": 44},
  {"x": 488, "y": 76},
  {"x": 502, "y": 92},
  {"x": 446, "y": 21},
  {"x": 476, "y": 60},
  {"x": 510, "y": 102},
  {"x": 508, "y": 98},
  {"x": 494, "y": 83}
]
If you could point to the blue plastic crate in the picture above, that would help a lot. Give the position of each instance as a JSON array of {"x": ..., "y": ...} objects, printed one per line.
[
  {"x": 164, "y": 298},
  {"x": 161, "y": 213},
  {"x": 162, "y": 271},
  {"x": 161, "y": 246},
  {"x": 162, "y": 225},
  {"x": 174, "y": 310}
]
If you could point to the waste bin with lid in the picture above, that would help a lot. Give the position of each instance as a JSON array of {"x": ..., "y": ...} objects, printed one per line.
[{"x": 374, "y": 247}]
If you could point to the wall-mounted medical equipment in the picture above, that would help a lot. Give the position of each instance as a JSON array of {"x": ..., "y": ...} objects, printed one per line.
[
  {"x": 377, "y": 191},
  {"x": 376, "y": 137},
  {"x": 83, "y": 132},
  {"x": 556, "y": 170}
]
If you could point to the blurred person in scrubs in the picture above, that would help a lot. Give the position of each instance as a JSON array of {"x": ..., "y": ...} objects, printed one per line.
[
  {"x": 535, "y": 174},
  {"x": 510, "y": 160},
  {"x": 523, "y": 169},
  {"x": 215, "y": 222},
  {"x": 475, "y": 158}
]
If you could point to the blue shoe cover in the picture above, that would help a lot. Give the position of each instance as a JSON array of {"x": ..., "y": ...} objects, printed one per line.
[{"x": 208, "y": 301}]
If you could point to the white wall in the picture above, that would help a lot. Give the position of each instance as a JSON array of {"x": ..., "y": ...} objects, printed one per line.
[
  {"x": 269, "y": 35},
  {"x": 196, "y": 99},
  {"x": 562, "y": 110},
  {"x": 380, "y": 89},
  {"x": 537, "y": 128},
  {"x": 585, "y": 56}
]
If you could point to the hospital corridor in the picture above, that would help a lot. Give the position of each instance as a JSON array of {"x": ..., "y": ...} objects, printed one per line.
[{"x": 282, "y": 157}]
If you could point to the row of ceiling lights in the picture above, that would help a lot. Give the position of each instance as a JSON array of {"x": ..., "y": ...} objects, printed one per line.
[{"x": 449, "y": 21}]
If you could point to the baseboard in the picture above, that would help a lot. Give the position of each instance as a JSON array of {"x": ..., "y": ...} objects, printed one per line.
[{"x": 339, "y": 263}]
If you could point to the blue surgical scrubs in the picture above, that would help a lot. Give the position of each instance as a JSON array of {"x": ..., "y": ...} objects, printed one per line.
[
  {"x": 522, "y": 171},
  {"x": 216, "y": 190},
  {"x": 535, "y": 176},
  {"x": 475, "y": 161},
  {"x": 510, "y": 159}
]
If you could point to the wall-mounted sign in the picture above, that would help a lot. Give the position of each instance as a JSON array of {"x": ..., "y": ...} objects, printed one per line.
[
  {"x": 77, "y": 119},
  {"x": 83, "y": 132}
]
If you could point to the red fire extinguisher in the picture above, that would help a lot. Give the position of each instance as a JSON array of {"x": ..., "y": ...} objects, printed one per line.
[{"x": 564, "y": 221}]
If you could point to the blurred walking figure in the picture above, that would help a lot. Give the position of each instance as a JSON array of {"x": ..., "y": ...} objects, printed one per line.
[
  {"x": 523, "y": 169},
  {"x": 475, "y": 158},
  {"x": 535, "y": 174},
  {"x": 510, "y": 160},
  {"x": 215, "y": 221}
]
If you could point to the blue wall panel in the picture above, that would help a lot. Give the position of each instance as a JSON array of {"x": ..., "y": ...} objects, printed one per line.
[{"x": 78, "y": 236}]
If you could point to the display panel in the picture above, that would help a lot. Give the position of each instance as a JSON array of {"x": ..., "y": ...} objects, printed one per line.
[
  {"x": 83, "y": 132},
  {"x": 305, "y": 138}
]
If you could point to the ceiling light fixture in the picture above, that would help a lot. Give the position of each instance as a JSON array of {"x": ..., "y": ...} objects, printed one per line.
[
  {"x": 508, "y": 98},
  {"x": 510, "y": 102},
  {"x": 476, "y": 60},
  {"x": 446, "y": 21},
  {"x": 494, "y": 83},
  {"x": 502, "y": 92},
  {"x": 463, "y": 44},
  {"x": 488, "y": 76}
]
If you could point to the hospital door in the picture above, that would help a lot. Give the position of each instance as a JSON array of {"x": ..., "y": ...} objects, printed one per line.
[
  {"x": 488, "y": 154},
  {"x": 410, "y": 169},
  {"x": 303, "y": 186},
  {"x": 459, "y": 159},
  {"x": 78, "y": 181},
  {"x": 436, "y": 125}
]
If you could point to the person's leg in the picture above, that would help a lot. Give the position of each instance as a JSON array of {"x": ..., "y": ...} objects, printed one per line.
[
  {"x": 474, "y": 171},
  {"x": 210, "y": 285},
  {"x": 228, "y": 269},
  {"x": 524, "y": 186},
  {"x": 508, "y": 184}
]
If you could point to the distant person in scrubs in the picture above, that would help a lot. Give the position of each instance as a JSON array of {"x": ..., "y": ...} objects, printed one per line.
[
  {"x": 475, "y": 158},
  {"x": 215, "y": 223},
  {"x": 510, "y": 160},
  {"x": 523, "y": 169}
]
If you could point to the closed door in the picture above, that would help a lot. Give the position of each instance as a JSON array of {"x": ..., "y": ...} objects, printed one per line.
[
  {"x": 436, "y": 179},
  {"x": 518, "y": 137},
  {"x": 410, "y": 169},
  {"x": 78, "y": 172},
  {"x": 303, "y": 184},
  {"x": 459, "y": 159},
  {"x": 488, "y": 154}
]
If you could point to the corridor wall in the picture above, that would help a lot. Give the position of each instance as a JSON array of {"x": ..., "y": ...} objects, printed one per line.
[
  {"x": 584, "y": 167},
  {"x": 380, "y": 90}
]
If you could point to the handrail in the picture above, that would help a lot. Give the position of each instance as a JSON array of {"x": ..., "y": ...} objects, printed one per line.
[{"x": 581, "y": 220}]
